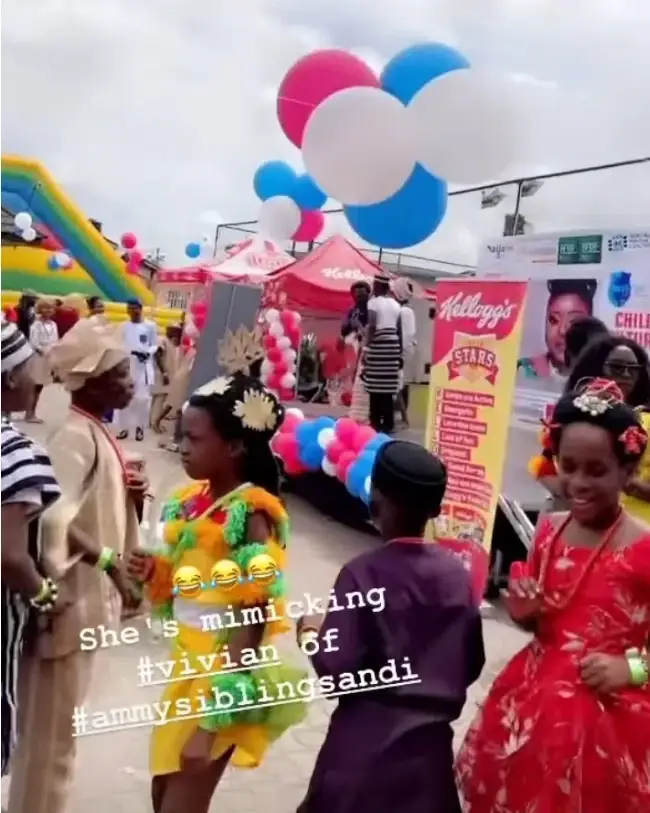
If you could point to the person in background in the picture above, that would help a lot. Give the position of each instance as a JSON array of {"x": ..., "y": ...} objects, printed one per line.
[
  {"x": 140, "y": 338},
  {"x": 43, "y": 335},
  {"x": 25, "y": 311},
  {"x": 66, "y": 316},
  {"x": 96, "y": 310},
  {"x": 565, "y": 725},
  {"x": 581, "y": 332},
  {"x": 28, "y": 488},
  {"x": 353, "y": 332},
  {"x": 166, "y": 363},
  {"x": 382, "y": 355},
  {"x": 391, "y": 750},
  {"x": 84, "y": 534},
  {"x": 403, "y": 291},
  {"x": 179, "y": 390},
  {"x": 568, "y": 300}
]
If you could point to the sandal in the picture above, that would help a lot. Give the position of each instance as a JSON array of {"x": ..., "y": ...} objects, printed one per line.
[
  {"x": 139, "y": 434},
  {"x": 123, "y": 435}
]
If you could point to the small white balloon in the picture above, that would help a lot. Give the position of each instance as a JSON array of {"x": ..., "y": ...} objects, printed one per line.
[
  {"x": 465, "y": 124},
  {"x": 325, "y": 437},
  {"x": 272, "y": 315},
  {"x": 266, "y": 368},
  {"x": 367, "y": 485},
  {"x": 297, "y": 412},
  {"x": 328, "y": 467},
  {"x": 62, "y": 259},
  {"x": 283, "y": 343},
  {"x": 23, "y": 221},
  {"x": 265, "y": 378},
  {"x": 359, "y": 146},
  {"x": 288, "y": 381},
  {"x": 29, "y": 235},
  {"x": 279, "y": 218},
  {"x": 276, "y": 329},
  {"x": 289, "y": 355}
]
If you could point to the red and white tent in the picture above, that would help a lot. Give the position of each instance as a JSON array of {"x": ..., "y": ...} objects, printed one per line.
[{"x": 320, "y": 281}]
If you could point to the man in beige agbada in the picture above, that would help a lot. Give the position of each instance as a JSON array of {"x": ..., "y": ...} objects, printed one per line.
[{"x": 94, "y": 522}]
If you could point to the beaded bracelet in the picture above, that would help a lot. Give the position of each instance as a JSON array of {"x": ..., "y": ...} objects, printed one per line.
[
  {"x": 638, "y": 665},
  {"x": 46, "y": 598},
  {"x": 106, "y": 560}
]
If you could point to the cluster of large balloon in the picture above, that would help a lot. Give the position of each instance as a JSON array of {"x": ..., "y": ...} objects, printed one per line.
[
  {"x": 341, "y": 448},
  {"x": 134, "y": 256},
  {"x": 386, "y": 146},
  {"x": 291, "y": 203},
  {"x": 281, "y": 345}
]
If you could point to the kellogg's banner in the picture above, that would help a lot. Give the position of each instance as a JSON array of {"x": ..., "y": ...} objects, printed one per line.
[
  {"x": 475, "y": 350},
  {"x": 605, "y": 274}
]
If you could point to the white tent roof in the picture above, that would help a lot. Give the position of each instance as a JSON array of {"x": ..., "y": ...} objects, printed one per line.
[{"x": 255, "y": 257}]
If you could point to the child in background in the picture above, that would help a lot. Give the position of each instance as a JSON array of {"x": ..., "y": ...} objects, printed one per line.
[
  {"x": 232, "y": 512},
  {"x": 391, "y": 750}
]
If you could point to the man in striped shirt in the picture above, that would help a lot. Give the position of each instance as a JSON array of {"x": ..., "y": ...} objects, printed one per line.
[{"x": 28, "y": 487}]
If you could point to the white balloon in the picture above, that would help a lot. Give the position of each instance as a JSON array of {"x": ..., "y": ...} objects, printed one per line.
[
  {"x": 297, "y": 412},
  {"x": 266, "y": 368},
  {"x": 23, "y": 221},
  {"x": 288, "y": 381},
  {"x": 272, "y": 315},
  {"x": 29, "y": 234},
  {"x": 279, "y": 217},
  {"x": 62, "y": 259},
  {"x": 465, "y": 123},
  {"x": 283, "y": 343},
  {"x": 265, "y": 378},
  {"x": 276, "y": 329},
  {"x": 328, "y": 467},
  {"x": 359, "y": 146},
  {"x": 325, "y": 437},
  {"x": 289, "y": 355}
]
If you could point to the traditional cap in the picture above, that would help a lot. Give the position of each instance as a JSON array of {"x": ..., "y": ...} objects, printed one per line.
[
  {"x": 15, "y": 347},
  {"x": 382, "y": 276},
  {"x": 402, "y": 288},
  {"x": 87, "y": 350},
  {"x": 407, "y": 471}
]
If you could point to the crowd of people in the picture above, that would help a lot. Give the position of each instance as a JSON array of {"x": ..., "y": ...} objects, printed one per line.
[{"x": 564, "y": 727}]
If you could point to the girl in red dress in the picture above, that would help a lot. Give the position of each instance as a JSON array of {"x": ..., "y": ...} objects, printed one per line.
[{"x": 566, "y": 726}]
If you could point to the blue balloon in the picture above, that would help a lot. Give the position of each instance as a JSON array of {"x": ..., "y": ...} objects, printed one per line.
[
  {"x": 413, "y": 68},
  {"x": 405, "y": 219},
  {"x": 52, "y": 263},
  {"x": 274, "y": 178},
  {"x": 311, "y": 456},
  {"x": 307, "y": 433},
  {"x": 193, "y": 250},
  {"x": 356, "y": 476},
  {"x": 307, "y": 194},
  {"x": 377, "y": 442}
]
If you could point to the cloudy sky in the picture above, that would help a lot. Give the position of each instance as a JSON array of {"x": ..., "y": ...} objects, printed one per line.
[{"x": 152, "y": 112}]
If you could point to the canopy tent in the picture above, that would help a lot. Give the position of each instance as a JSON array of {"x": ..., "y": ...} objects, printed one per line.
[{"x": 320, "y": 281}]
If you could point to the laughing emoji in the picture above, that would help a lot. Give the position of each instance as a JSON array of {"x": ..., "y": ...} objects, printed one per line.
[
  {"x": 187, "y": 582},
  {"x": 262, "y": 569},
  {"x": 225, "y": 574}
]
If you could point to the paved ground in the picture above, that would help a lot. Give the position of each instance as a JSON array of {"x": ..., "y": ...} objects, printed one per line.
[{"x": 112, "y": 775}]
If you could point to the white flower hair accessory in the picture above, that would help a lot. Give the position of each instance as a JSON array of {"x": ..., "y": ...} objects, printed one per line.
[
  {"x": 598, "y": 395},
  {"x": 218, "y": 386},
  {"x": 257, "y": 411},
  {"x": 591, "y": 404}
]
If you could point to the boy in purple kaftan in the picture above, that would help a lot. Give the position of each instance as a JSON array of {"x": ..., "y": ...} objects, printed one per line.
[{"x": 389, "y": 748}]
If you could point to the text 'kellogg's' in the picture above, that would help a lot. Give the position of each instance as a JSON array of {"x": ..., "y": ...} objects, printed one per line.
[{"x": 463, "y": 306}]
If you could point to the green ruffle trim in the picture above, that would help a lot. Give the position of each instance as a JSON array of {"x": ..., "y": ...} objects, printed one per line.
[
  {"x": 242, "y": 689},
  {"x": 163, "y": 612},
  {"x": 283, "y": 532},
  {"x": 186, "y": 540},
  {"x": 278, "y": 588},
  {"x": 172, "y": 510},
  {"x": 244, "y": 553},
  {"x": 236, "y": 523}
]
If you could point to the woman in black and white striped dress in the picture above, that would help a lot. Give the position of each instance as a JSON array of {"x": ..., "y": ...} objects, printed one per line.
[
  {"x": 28, "y": 487},
  {"x": 382, "y": 355}
]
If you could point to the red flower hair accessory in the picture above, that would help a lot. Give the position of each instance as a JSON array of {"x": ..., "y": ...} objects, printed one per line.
[{"x": 634, "y": 440}]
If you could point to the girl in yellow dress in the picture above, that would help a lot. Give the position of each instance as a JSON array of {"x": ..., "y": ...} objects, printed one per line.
[{"x": 217, "y": 579}]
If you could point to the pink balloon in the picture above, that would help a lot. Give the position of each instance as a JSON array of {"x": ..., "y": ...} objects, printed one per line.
[
  {"x": 334, "y": 450},
  {"x": 364, "y": 434},
  {"x": 345, "y": 461},
  {"x": 313, "y": 79},
  {"x": 274, "y": 355},
  {"x": 289, "y": 423},
  {"x": 346, "y": 431},
  {"x": 280, "y": 368},
  {"x": 294, "y": 336},
  {"x": 311, "y": 225},
  {"x": 136, "y": 258},
  {"x": 198, "y": 309},
  {"x": 274, "y": 380},
  {"x": 288, "y": 319},
  {"x": 269, "y": 341},
  {"x": 285, "y": 445},
  {"x": 128, "y": 240},
  {"x": 286, "y": 394}
]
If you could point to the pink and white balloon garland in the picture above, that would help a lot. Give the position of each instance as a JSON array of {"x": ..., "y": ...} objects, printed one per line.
[{"x": 282, "y": 344}]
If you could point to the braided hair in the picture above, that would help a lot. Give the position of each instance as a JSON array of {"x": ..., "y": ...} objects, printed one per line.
[{"x": 242, "y": 409}]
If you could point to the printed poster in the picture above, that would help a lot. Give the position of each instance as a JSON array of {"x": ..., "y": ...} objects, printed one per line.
[{"x": 473, "y": 374}]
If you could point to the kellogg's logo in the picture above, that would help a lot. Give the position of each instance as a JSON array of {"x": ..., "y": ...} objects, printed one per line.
[
  {"x": 474, "y": 358},
  {"x": 348, "y": 274},
  {"x": 473, "y": 308}
]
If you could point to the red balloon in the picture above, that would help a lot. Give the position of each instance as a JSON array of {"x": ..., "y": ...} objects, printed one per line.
[
  {"x": 269, "y": 341},
  {"x": 274, "y": 355},
  {"x": 334, "y": 450},
  {"x": 199, "y": 321},
  {"x": 313, "y": 79},
  {"x": 274, "y": 380},
  {"x": 289, "y": 423},
  {"x": 364, "y": 434},
  {"x": 285, "y": 445},
  {"x": 346, "y": 431},
  {"x": 128, "y": 240},
  {"x": 288, "y": 319},
  {"x": 280, "y": 368},
  {"x": 311, "y": 225},
  {"x": 287, "y": 394},
  {"x": 345, "y": 461},
  {"x": 294, "y": 336},
  {"x": 51, "y": 243},
  {"x": 198, "y": 309},
  {"x": 346, "y": 399}
]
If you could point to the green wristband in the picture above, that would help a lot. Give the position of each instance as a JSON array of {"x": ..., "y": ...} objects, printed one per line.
[
  {"x": 638, "y": 666},
  {"x": 107, "y": 559}
]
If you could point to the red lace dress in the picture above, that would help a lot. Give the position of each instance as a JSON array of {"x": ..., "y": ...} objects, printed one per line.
[{"x": 544, "y": 742}]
